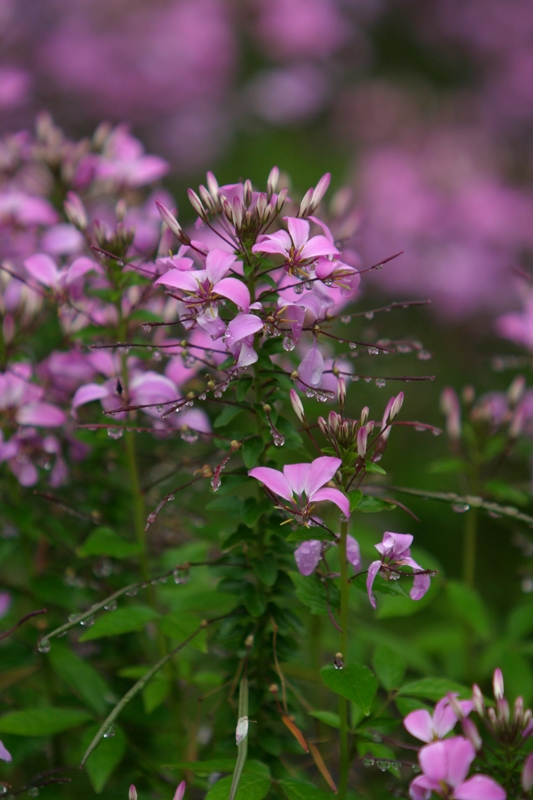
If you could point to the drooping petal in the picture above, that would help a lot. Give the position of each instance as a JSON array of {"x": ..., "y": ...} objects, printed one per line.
[
  {"x": 247, "y": 356},
  {"x": 480, "y": 787},
  {"x": 353, "y": 553},
  {"x": 420, "y": 586},
  {"x": 5, "y": 755},
  {"x": 243, "y": 325},
  {"x": 88, "y": 393},
  {"x": 321, "y": 470},
  {"x": 177, "y": 279},
  {"x": 394, "y": 544},
  {"x": 420, "y": 725},
  {"x": 334, "y": 496},
  {"x": 307, "y": 556},
  {"x": 43, "y": 269},
  {"x": 421, "y": 788},
  {"x": 434, "y": 762},
  {"x": 276, "y": 243},
  {"x": 40, "y": 414},
  {"x": 273, "y": 480},
  {"x": 298, "y": 231},
  {"x": 180, "y": 791},
  {"x": 311, "y": 367},
  {"x": 235, "y": 290},
  {"x": 372, "y": 572}
]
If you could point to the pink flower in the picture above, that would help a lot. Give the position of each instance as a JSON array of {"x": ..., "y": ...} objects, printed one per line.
[
  {"x": 240, "y": 338},
  {"x": 298, "y": 250},
  {"x": 445, "y": 766},
  {"x": 395, "y": 552},
  {"x": 427, "y": 727},
  {"x": 21, "y": 401},
  {"x": 308, "y": 554},
  {"x": 301, "y": 485}
]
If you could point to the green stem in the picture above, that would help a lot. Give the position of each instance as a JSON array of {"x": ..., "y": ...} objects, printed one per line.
[
  {"x": 343, "y": 703},
  {"x": 469, "y": 548},
  {"x": 139, "y": 512}
]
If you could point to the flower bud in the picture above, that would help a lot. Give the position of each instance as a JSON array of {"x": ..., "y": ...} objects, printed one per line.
[
  {"x": 334, "y": 420},
  {"x": 196, "y": 203},
  {"x": 75, "y": 211},
  {"x": 227, "y": 208},
  {"x": 516, "y": 390},
  {"x": 468, "y": 394},
  {"x": 449, "y": 404},
  {"x": 169, "y": 219},
  {"x": 208, "y": 200},
  {"x": 396, "y": 406},
  {"x": 180, "y": 791},
  {"x": 471, "y": 733},
  {"x": 518, "y": 713},
  {"x": 504, "y": 712},
  {"x": 212, "y": 185},
  {"x": 237, "y": 212},
  {"x": 517, "y": 421},
  {"x": 323, "y": 425},
  {"x": 282, "y": 196},
  {"x": 362, "y": 438},
  {"x": 341, "y": 392},
  {"x": 262, "y": 205},
  {"x": 320, "y": 191},
  {"x": 364, "y": 414},
  {"x": 297, "y": 406},
  {"x": 527, "y": 773},
  {"x": 247, "y": 192},
  {"x": 478, "y": 700},
  {"x": 133, "y": 793},
  {"x": 272, "y": 181},
  {"x": 497, "y": 684},
  {"x": 305, "y": 205}
]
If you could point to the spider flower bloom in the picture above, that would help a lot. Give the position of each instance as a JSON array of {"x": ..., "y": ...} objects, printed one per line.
[
  {"x": 428, "y": 727},
  {"x": 445, "y": 766},
  {"x": 297, "y": 249},
  {"x": 301, "y": 485},
  {"x": 395, "y": 552}
]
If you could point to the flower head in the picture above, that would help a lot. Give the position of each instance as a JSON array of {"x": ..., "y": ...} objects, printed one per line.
[
  {"x": 395, "y": 552},
  {"x": 429, "y": 727},
  {"x": 298, "y": 250}
]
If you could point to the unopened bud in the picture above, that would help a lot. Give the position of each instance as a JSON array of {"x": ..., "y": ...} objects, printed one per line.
[
  {"x": 75, "y": 211},
  {"x": 196, "y": 203},
  {"x": 341, "y": 392},
  {"x": 212, "y": 185},
  {"x": 262, "y": 205},
  {"x": 396, "y": 406},
  {"x": 364, "y": 414},
  {"x": 272, "y": 182},
  {"x": 478, "y": 700},
  {"x": 516, "y": 390},
  {"x": 247, "y": 192},
  {"x": 334, "y": 420},
  {"x": 449, "y": 404},
  {"x": 497, "y": 684},
  {"x": 518, "y": 712},
  {"x": 180, "y": 791},
  {"x": 362, "y": 438},
  {"x": 133, "y": 793},
  {"x": 273, "y": 688},
  {"x": 227, "y": 208},
  {"x": 320, "y": 190},
  {"x": 527, "y": 773},
  {"x": 516, "y": 424},
  {"x": 471, "y": 732},
  {"x": 504, "y": 712},
  {"x": 323, "y": 425},
  {"x": 297, "y": 406},
  {"x": 305, "y": 205},
  {"x": 237, "y": 212},
  {"x": 280, "y": 202},
  {"x": 169, "y": 219}
]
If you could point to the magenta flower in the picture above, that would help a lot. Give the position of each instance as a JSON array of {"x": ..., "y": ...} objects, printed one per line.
[
  {"x": 395, "y": 552},
  {"x": 445, "y": 766},
  {"x": 308, "y": 554},
  {"x": 301, "y": 486},
  {"x": 21, "y": 401},
  {"x": 63, "y": 282},
  {"x": 298, "y": 250},
  {"x": 429, "y": 727}
]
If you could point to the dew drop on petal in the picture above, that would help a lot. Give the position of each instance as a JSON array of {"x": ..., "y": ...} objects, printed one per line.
[{"x": 298, "y": 289}]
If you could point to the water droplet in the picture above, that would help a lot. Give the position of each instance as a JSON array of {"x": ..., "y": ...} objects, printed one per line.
[
  {"x": 3, "y": 789},
  {"x": 373, "y": 351},
  {"x": 202, "y": 396},
  {"x": 346, "y": 320},
  {"x": 310, "y": 393},
  {"x": 367, "y": 379},
  {"x": 156, "y": 355},
  {"x": 163, "y": 579},
  {"x": 382, "y": 765},
  {"x": 109, "y": 732},
  {"x": 103, "y": 568},
  {"x": 352, "y": 345},
  {"x": 44, "y": 646},
  {"x": 147, "y": 328},
  {"x": 308, "y": 286},
  {"x": 33, "y": 791},
  {"x": 369, "y": 315},
  {"x": 279, "y": 440},
  {"x": 368, "y": 762},
  {"x": 188, "y": 436},
  {"x": 423, "y": 355},
  {"x": 380, "y": 382},
  {"x": 74, "y": 617},
  {"x": 416, "y": 768},
  {"x": 115, "y": 433},
  {"x": 111, "y": 606},
  {"x": 355, "y": 378},
  {"x": 288, "y": 344},
  {"x": 376, "y": 737},
  {"x": 132, "y": 592},
  {"x": 298, "y": 288},
  {"x": 403, "y": 348},
  {"x": 420, "y": 428},
  {"x": 460, "y": 508},
  {"x": 88, "y": 622}
]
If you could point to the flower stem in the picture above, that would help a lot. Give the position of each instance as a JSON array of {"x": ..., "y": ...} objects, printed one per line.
[
  {"x": 138, "y": 502},
  {"x": 469, "y": 548},
  {"x": 343, "y": 703}
]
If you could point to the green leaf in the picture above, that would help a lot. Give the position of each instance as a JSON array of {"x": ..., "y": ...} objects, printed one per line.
[
  {"x": 180, "y": 625},
  {"x": 355, "y": 497},
  {"x": 243, "y": 385},
  {"x": 227, "y": 415},
  {"x": 388, "y": 666},
  {"x": 266, "y": 569},
  {"x": 520, "y": 622},
  {"x": 296, "y": 790},
  {"x": 124, "y": 620},
  {"x": 468, "y": 606},
  {"x": 79, "y": 676},
  {"x": 252, "y": 786},
  {"x": 254, "y": 509},
  {"x": 433, "y": 688},
  {"x": 327, "y": 717},
  {"x": 311, "y": 592},
  {"x": 303, "y": 534},
  {"x": 251, "y": 450},
  {"x": 42, "y": 721},
  {"x": 254, "y": 600},
  {"x": 155, "y": 693},
  {"x": 105, "y": 542},
  {"x": 447, "y": 465},
  {"x": 506, "y": 493},
  {"x": 207, "y": 767},
  {"x": 371, "y": 466},
  {"x": 104, "y": 760},
  {"x": 355, "y": 682},
  {"x": 373, "y": 505}
]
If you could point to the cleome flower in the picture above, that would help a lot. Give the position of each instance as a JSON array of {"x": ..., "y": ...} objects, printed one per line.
[
  {"x": 395, "y": 553},
  {"x": 298, "y": 250},
  {"x": 301, "y": 485},
  {"x": 308, "y": 554},
  {"x": 430, "y": 727}
]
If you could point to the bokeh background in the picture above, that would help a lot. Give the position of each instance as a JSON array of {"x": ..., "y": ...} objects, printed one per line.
[{"x": 423, "y": 110}]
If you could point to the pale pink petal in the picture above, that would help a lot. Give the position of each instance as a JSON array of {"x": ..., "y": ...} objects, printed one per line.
[
  {"x": 5, "y": 602},
  {"x": 353, "y": 553},
  {"x": 420, "y": 725},
  {"x": 43, "y": 269},
  {"x": 459, "y": 753},
  {"x": 88, "y": 393},
  {"x": 25, "y": 471},
  {"x": 298, "y": 231},
  {"x": 180, "y": 791},
  {"x": 372, "y": 572},
  {"x": 421, "y": 788},
  {"x": 235, "y": 290},
  {"x": 480, "y": 787},
  {"x": 420, "y": 586},
  {"x": 307, "y": 556},
  {"x": 311, "y": 367},
  {"x": 247, "y": 356},
  {"x": 273, "y": 480},
  {"x": 79, "y": 267},
  {"x": 5, "y": 755},
  {"x": 434, "y": 762},
  {"x": 334, "y": 496},
  {"x": 218, "y": 263},
  {"x": 40, "y": 414},
  {"x": 318, "y": 246},
  {"x": 444, "y": 717},
  {"x": 178, "y": 279},
  {"x": 296, "y": 475},
  {"x": 276, "y": 243},
  {"x": 321, "y": 470},
  {"x": 244, "y": 325}
]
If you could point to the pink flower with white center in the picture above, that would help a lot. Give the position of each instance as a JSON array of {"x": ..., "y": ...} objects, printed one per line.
[
  {"x": 301, "y": 485},
  {"x": 429, "y": 727},
  {"x": 308, "y": 554},
  {"x": 395, "y": 552},
  {"x": 445, "y": 766},
  {"x": 64, "y": 282},
  {"x": 298, "y": 250}
]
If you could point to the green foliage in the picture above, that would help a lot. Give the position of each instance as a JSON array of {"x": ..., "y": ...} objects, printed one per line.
[
  {"x": 105, "y": 542},
  {"x": 388, "y": 666},
  {"x": 42, "y": 721},
  {"x": 355, "y": 682},
  {"x": 123, "y": 620},
  {"x": 106, "y": 758}
]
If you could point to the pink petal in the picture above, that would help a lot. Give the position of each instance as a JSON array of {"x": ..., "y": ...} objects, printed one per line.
[
  {"x": 277, "y": 243},
  {"x": 25, "y": 472},
  {"x": 334, "y": 496},
  {"x": 298, "y": 230},
  {"x": 247, "y": 356},
  {"x": 444, "y": 717},
  {"x": 420, "y": 725},
  {"x": 5, "y": 602},
  {"x": 352, "y": 552},
  {"x": 40, "y": 414},
  {"x": 180, "y": 791},
  {"x": 88, "y": 393},
  {"x": 218, "y": 263},
  {"x": 372, "y": 572},
  {"x": 460, "y": 753},
  {"x": 480, "y": 787},
  {"x": 318, "y": 246},
  {"x": 273, "y": 480},
  {"x": 433, "y": 760},
  {"x": 421, "y": 788},
  {"x": 235, "y": 290},
  {"x": 79, "y": 267},
  {"x": 244, "y": 325},
  {"x": 420, "y": 586},
  {"x": 307, "y": 556},
  {"x": 43, "y": 269},
  {"x": 178, "y": 279},
  {"x": 5, "y": 755},
  {"x": 311, "y": 367},
  {"x": 296, "y": 475},
  {"x": 321, "y": 470}
]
